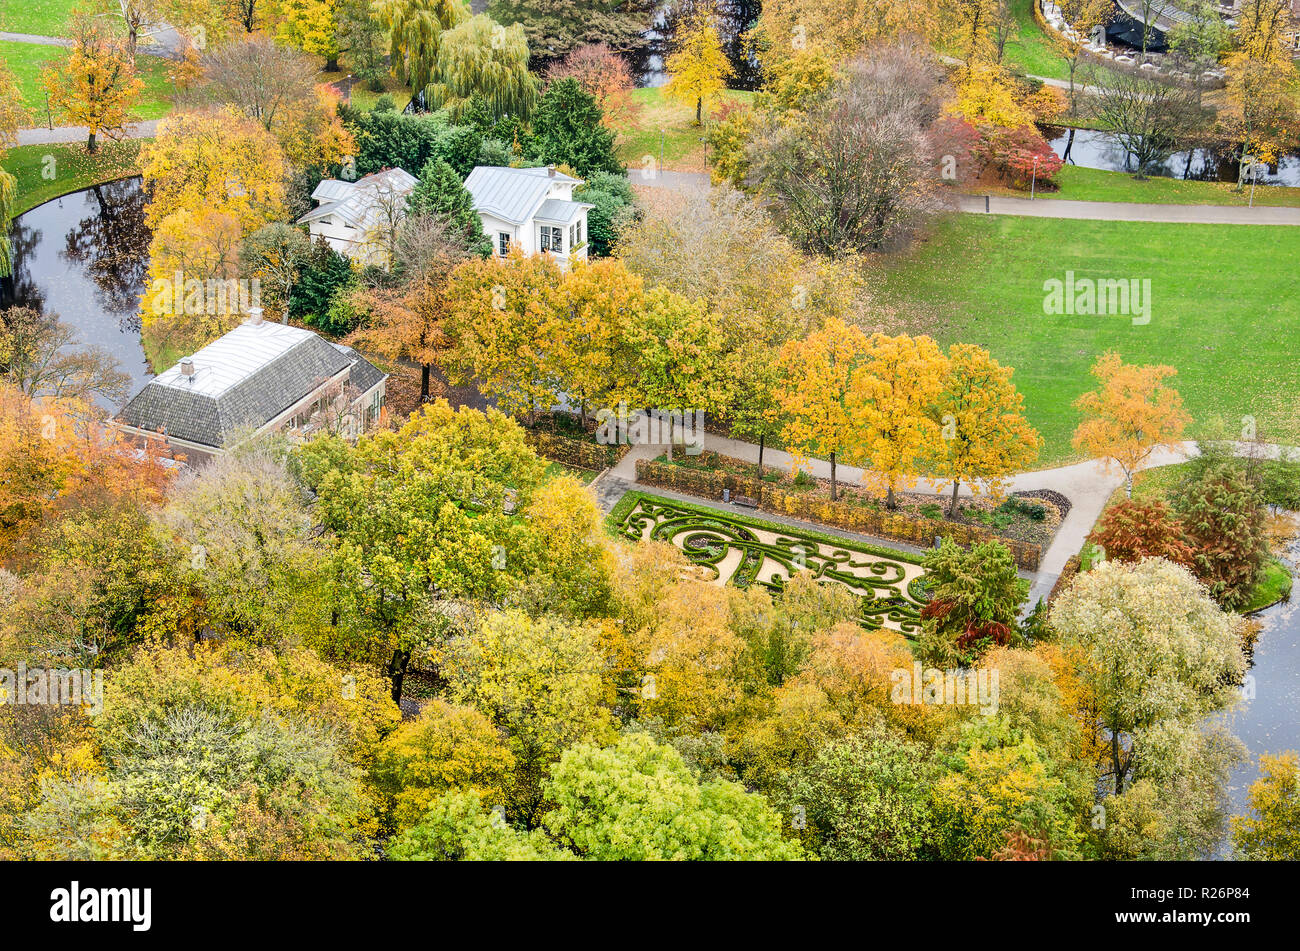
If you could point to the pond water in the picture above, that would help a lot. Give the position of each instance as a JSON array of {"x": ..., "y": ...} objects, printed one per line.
[
  {"x": 1270, "y": 721},
  {"x": 1092, "y": 149},
  {"x": 85, "y": 257}
]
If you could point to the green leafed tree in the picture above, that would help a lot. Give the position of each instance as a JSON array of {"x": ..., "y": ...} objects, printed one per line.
[
  {"x": 638, "y": 801},
  {"x": 440, "y": 192},
  {"x": 480, "y": 59},
  {"x": 567, "y": 130}
]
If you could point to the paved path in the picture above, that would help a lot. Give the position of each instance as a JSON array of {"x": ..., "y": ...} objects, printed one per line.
[
  {"x": 33, "y": 38},
  {"x": 1130, "y": 211},
  {"x": 144, "y": 129},
  {"x": 1088, "y": 486},
  {"x": 698, "y": 182}
]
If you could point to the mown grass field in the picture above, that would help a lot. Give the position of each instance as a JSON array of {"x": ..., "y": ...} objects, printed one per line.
[
  {"x": 26, "y": 59},
  {"x": 682, "y": 142},
  {"x": 39, "y": 17},
  {"x": 72, "y": 167},
  {"x": 1225, "y": 310}
]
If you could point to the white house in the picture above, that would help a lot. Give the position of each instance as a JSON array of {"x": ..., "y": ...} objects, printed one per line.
[
  {"x": 359, "y": 218},
  {"x": 531, "y": 209}
]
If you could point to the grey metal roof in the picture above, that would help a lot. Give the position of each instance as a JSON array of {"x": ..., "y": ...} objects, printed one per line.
[
  {"x": 557, "y": 209},
  {"x": 358, "y": 202},
  {"x": 210, "y": 419},
  {"x": 512, "y": 194}
]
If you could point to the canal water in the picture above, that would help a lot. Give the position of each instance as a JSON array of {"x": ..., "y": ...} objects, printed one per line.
[
  {"x": 1088, "y": 148},
  {"x": 85, "y": 257},
  {"x": 1269, "y": 722}
]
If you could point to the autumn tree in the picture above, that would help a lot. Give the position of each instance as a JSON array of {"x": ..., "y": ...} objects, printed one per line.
[
  {"x": 1271, "y": 831},
  {"x": 817, "y": 392},
  {"x": 446, "y": 747},
  {"x": 1157, "y": 652},
  {"x": 676, "y": 343},
  {"x": 1131, "y": 414},
  {"x": 893, "y": 393},
  {"x": 788, "y": 27},
  {"x": 410, "y": 321},
  {"x": 982, "y": 424},
  {"x": 310, "y": 25},
  {"x": 603, "y": 74},
  {"x": 1084, "y": 16},
  {"x": 505, "y": 314},
  {"x": 1262, "y": 112},
  {"x": 1133, "y": 529},
  {"x": 538, "y": 680},
  {"x": 697, "y": 68},
  {"x": 95, "y": 85}
]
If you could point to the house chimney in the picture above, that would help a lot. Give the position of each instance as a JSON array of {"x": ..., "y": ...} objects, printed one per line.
[
  {"x": 187, "y": 368},
  {"x": 255, "y": 316},
  {"x": 550, "y": 171}
]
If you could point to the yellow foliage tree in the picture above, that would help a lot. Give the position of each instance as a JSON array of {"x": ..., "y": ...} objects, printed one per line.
[
  {"x": 1130, "y": 415},
  {"x": 985, "y": 93},
  {"x": 698, "y": 69},
  {"x": 985, "y": 434},
  {"x": 893, "y": 392},
  {"x": 95, "y": 84},
  {"x": 816, "y": 391}
]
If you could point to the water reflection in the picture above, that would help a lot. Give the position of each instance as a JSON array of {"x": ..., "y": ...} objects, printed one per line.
[
  {"x": 735, "y": 17},
  {"x": 1270, "y": 721},
  {"x": 84, "y": 257},
  {"x": 1088, "y": 148}
]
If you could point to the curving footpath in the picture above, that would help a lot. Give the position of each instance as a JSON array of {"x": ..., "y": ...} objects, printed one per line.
[{"x": 1088, "y": 485}]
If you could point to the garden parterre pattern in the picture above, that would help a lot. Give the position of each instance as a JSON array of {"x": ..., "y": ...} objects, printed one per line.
[{"x": 743, "y": 552}]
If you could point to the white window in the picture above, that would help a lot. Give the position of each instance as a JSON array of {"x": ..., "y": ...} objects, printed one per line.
[
  {"x": 573, "y": 240},
  {"x": 550, "y": 239},
  {"x": 503, "y": 243}
]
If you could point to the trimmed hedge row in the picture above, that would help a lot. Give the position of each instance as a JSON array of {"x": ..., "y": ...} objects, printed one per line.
[
  {"x": 576, "y": 453},
  {"x": 1065, "y": 579},
  {"x": 853, "y": 518}
]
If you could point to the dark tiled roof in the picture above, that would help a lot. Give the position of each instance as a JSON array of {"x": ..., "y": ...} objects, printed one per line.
[{"x": 251, "y": 402}]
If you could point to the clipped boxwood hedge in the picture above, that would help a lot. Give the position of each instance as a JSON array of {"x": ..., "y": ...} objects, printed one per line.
[
  {"x": 853, "y": 518},
  {"x": 576, "y": 453}
]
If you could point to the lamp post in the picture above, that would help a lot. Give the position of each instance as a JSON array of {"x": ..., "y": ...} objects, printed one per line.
[{"x": 1033, "y": 185}]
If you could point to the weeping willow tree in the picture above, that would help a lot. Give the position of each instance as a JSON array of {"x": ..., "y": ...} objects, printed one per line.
[
  {"x": 8, "y": 194},
  {"x": 415, "y": 30},
  {"x": 482, "y": 59}
]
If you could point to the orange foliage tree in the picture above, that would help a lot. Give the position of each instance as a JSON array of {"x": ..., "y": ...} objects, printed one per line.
[{"x": 1130, "y": 415}]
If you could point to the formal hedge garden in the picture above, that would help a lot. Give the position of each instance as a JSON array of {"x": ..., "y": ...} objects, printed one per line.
[
  {"x": 711, "y": 483},
  {"x": 736, "y": 549}
]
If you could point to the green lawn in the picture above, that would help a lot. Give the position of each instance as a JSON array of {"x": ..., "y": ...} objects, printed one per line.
[
  {"x": 41, "y": 17},
  {"x": 1032, "y": 51},
  {"x": 1095, "y": 184},
  {"x": 72, "y": 168},
  {"x": 682, "y": 144},
  {"x": 26, "y": 59},
  {"x": 1225, "y": 308}
]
